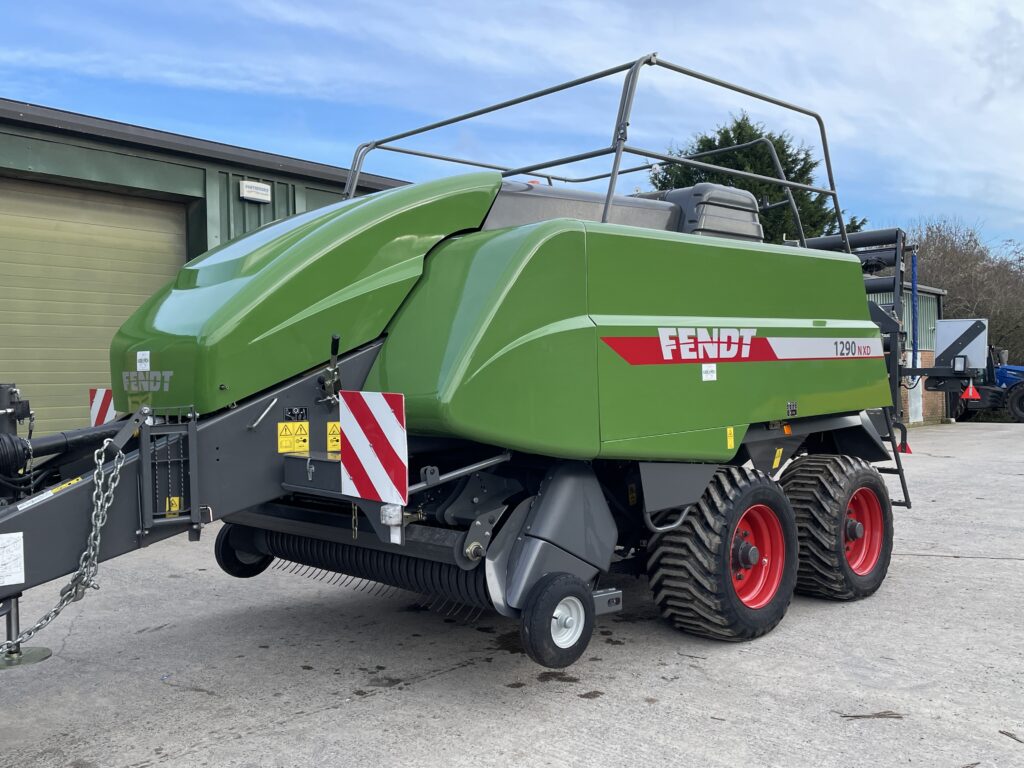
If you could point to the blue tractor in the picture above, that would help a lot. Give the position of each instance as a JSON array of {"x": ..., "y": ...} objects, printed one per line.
[
  {"x": 1010, "y": 379},
  {"x": 1000, "y": 386}
]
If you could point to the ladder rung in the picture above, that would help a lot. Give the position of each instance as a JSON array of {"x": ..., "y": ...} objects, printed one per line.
[
  {"x": 900, "y": 503},
  {"x": 888, "y": 470}
]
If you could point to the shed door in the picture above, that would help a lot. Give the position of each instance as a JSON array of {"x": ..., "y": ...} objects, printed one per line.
[{"x": 74, "y": 263}]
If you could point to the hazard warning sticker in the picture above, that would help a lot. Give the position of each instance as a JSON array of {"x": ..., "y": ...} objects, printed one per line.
[
  {"x": 292, "y": 436},
  {"x": 730, "y": 438},
  {"x": 12, "y": 559},
  {"x": 333, "y": 436}
]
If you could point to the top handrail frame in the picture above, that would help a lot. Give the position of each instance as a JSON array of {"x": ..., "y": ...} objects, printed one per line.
[{"x": 619, "y": 145}]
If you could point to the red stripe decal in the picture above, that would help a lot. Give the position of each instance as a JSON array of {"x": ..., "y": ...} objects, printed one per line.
[
  {"x": 647, "y": 350},
  {"x": 105, "y": 406},
  {"x": 393, "y": 464},
  {"x": 396, "y": 401}
]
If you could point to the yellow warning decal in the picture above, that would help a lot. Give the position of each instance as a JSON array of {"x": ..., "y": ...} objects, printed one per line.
[
  {"x": 334, "y": 436},
  {"x": 172, "y": 506},
  {"x": 67, "y": 484},
  {"x": 292, "y": 436},
  {"x": 778, "y": 458},
  {"x": 730, "y": 437}
]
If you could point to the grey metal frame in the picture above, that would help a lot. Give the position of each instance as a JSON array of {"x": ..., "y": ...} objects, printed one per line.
[{"x": 619, "y": 145}]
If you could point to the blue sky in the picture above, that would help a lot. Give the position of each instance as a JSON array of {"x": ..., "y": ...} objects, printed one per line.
[{"x": 922, "y": 100}]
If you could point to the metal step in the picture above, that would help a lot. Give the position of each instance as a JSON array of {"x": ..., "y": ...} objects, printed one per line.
[{"x": 898, "y": 470}]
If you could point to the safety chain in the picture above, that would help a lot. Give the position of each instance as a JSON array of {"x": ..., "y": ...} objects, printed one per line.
[{"x": 88, "y": 564}]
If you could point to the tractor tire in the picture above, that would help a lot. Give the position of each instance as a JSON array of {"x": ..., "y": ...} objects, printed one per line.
[
  {"x": 1015, "y": 403},
  {"x": 729, "y": 570},
  {"x": 557, "y": 620},
  {"x": 241, "y": 565},
  {"x": 844, "y": 519}
]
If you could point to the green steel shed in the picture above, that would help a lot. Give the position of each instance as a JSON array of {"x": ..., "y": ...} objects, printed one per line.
[{"x": 96, "y": 215}]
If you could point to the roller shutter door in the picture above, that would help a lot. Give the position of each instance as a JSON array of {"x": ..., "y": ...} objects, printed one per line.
[{"x": 74, "y": 264}]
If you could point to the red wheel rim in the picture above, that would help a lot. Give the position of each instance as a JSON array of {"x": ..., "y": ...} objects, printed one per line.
[
  {"x": 862, "y": 553},
  {"x": 756, "y": 580}
]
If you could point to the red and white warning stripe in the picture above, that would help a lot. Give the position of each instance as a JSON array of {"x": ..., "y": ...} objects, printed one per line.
[
  {"x": 374, "y": 450},
  {"x": 101, "y": 406}
]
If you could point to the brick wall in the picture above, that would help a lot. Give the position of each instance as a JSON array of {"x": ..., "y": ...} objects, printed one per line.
[{"x": 934, "y": 403}]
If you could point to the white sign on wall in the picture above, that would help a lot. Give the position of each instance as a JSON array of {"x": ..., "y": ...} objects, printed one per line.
[{"x": 254, "y": 191}]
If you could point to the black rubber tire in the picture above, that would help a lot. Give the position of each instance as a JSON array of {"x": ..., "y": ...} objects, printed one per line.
[
  {"x": 690, "y": 568},
  {"x": 820, "y": 489},
  {"x": 963, "y": 413},
  {"x": 1015, "y": 403},
  {"x": 538, "y": 610},
  {"x": 241, "y": 565}
]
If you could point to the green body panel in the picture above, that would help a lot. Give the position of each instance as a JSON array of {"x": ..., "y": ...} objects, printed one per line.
[
  {"x": 495, "y": 343},
  {"x": 502, "y": 340},
  {"x": 640, "y": 280},
  {"x": 562, "y": 338},
  {"x": 262, "y": 309}
]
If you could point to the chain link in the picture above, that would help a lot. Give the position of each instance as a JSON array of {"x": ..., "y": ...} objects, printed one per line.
[{"x": 88, "y": 564}]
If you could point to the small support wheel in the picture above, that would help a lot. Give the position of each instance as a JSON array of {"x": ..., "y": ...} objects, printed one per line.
[
  {"x": 235, "y": 562},
  {"x": 844, "y": 518},
  {"x": 557, "y": 620}
]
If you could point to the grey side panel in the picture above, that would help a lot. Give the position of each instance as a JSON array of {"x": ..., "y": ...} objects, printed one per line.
[
  {"x": 499, "y": 554},
  {"x": 570, "y": 512},
  {"x": 863, "y": 441},
  {"x": 236, "y": 466},
  {"x": 853, "y": 435},
  {"x": 535, "y": 559},
  {"x": 670, "y": 485},
  {"x": 518, "y": 204}
]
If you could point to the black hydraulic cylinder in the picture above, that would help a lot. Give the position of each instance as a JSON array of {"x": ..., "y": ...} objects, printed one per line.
[
  {"x": 872, "y": 239},
  {"x": 880, "y": 284}
]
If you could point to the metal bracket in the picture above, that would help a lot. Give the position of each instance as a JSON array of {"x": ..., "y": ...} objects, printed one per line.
[
  {"x": 607, "y": 600},
  {"x": 457, "y": 473},
  {"x": 654, "y": 528},
  {"x": 478, "y": 537}
]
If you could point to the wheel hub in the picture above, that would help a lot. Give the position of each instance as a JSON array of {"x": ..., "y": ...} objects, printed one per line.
[
  {"x": 567, "y": 622},
  {"x": 758, "y": 556},
  {"x": 863, "y": 531},
  {"x": 746, "y": 555}
]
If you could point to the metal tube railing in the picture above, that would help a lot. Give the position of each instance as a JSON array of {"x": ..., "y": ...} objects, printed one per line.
[{"x": 619, "y": 145}]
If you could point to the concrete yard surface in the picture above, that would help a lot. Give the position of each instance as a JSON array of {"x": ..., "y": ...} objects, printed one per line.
[{"x": 173, "y": 663}]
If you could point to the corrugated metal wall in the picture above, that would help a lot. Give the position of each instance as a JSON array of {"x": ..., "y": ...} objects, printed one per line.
[
  {"x": 238, "y": 216},
  {"x": 74, "y": 264},
  {"x": 927, "y": 315}
]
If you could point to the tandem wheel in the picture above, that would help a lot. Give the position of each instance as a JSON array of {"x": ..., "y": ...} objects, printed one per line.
[
  {"x": 557, "y": 620},
  {"x": 234, "y": 562}
]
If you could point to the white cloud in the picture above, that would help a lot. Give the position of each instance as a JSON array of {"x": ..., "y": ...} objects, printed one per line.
[{"x": 922, "y": 99}]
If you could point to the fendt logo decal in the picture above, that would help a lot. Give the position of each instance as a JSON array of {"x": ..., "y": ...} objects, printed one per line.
[
  {"x": 146, "y": 381},
  {"x": 709, "y": 345},
  {"x": 730, "y": 345}
]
